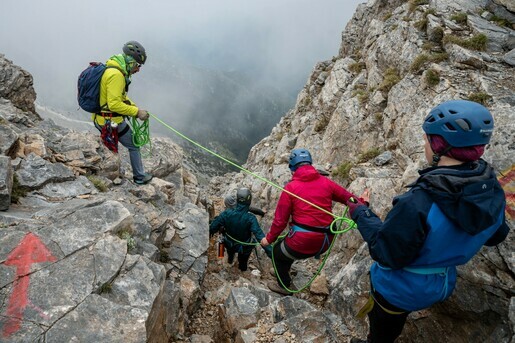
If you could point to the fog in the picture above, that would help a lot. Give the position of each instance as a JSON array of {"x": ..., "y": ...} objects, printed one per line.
[{"x": 266, "y": 47}]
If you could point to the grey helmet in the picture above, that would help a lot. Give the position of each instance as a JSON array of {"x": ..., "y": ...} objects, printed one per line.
[
  {"x": 136, "y": 50},
  {"x": 244, "y": 196},
  {"x": 230, "y": 201}
]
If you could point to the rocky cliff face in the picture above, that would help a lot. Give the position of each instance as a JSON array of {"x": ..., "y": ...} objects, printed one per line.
[
  {"x": 360, "y": 115},
  {"x": 85, "y": 255},
  {"x": 16, "y": 85}
]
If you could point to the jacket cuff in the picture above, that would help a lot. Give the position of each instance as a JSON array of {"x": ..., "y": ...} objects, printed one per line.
[{"x": 358, "y": 211}]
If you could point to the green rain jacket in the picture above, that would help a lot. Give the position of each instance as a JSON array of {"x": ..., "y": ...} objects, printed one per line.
[
  {"x": 239, "y": 224},
  {"x": 113, "y": 94}
]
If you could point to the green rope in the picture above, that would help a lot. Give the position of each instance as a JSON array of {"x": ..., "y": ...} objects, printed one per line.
[
  {"x": 243, "y": 169},
  {"x": 240, "y": 242},
  {"x": 337, "y": 219},
  {"x": 141, "y": 135}
]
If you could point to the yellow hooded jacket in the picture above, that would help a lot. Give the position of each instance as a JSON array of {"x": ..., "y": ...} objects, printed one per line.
[{"x": 113, "y": 97}]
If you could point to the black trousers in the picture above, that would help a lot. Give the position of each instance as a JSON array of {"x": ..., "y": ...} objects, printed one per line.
[
  {"x": 283, "y": 262},
  {"x": 385, "y": 327},
  {"x": 243, "y": 257}
]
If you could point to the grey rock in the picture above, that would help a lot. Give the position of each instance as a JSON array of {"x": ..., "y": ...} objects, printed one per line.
[
  {"x": 510, "y": 6},
  {"x": 383, "y": 158},
  {"x": 510, "y": 57},
  {"x": 462, "y": 56},
  {"x": 312, "y": 326},
  {"x": 6, "y": 182},
  {"x": 201, "y": 339},
  {"x": 147, "y": 249},
  {"x": 459, "y": 5},
  {"x": 8, "y": 137},
  {"x": 95, "y": 312},
  {"x": 497, "y": 35},
  {"x": 163, "y": 324},
  {"x": 487, "y": 15},
  {"x": 241, "y": 309},
  {"x": 247, "y": 336},
  {"x": 136, "y": 285},
  {"x": 34, "y": 172},
  {"x": 279, "y": 328},
  {"x": 501, "y": 8},
  {"x": 66, "y": 190},
  {"x": 109, "y": 254},
  {"x": 80, "y": 225},
  {"x": 190, "y": 242},
  {"x": 16, "y": 85},
  {"x": 287, "y": 307}
]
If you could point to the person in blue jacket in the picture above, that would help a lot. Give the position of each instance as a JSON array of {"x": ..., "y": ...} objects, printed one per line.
[
  {"x": 239, "y": 224},
  {"x": 454, "y": 208}
]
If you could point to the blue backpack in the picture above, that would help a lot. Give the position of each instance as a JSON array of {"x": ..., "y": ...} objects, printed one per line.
[{"x": 88, "y": 87}]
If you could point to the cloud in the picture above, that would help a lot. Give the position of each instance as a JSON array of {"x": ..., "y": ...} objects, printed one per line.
[
  {"x": 250, "y": 45},
  {"x": 279, "y": 40}
]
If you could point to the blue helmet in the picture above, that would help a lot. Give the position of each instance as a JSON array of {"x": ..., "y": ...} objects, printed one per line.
[
  {"x": 299, "y": 156},
  {"x": 461, "y": 123}
]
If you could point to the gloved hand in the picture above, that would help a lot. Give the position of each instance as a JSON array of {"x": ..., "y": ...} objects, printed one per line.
[
  {"x": 142, "y": 115},
  {"x": 353, "y": 204}
]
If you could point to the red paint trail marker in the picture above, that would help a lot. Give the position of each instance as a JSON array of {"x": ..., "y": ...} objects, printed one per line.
[{"x": 30, "y": 250}]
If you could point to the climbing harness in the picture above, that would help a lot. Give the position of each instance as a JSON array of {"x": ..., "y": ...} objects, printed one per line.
[
  {"x": 110, "y": 135},
  {"x": 342, "y": 219},
  {"x": 369, "y": 305},
  {"x": 337, "y": 221}
]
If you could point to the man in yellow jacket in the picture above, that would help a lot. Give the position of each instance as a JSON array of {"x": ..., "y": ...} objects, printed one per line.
[{"x": 115, "y": 104}]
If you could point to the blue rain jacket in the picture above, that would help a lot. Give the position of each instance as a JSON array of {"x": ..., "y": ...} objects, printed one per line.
[{"x": 445, "y": 218}]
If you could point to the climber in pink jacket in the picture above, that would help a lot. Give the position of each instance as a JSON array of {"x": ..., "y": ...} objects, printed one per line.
[{"x": 309, "y": 233}]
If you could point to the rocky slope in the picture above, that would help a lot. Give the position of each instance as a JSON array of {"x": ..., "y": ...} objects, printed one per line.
[
  {"x": 86, "y": 255},
  {"x": 360, "y": 115},
  {"x": 110, "y": 261}
]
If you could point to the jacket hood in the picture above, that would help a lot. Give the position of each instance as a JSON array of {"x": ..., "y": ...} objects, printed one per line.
[
  {"x": 241, "y": 207},
  {"x": 305, "y": 173},
  {"x": 118, "y": 61},
  {"x": 468, "y": 194}
]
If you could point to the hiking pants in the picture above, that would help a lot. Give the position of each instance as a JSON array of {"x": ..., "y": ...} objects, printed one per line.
[
  {"x": 138, "y": 171},
  {"x": 243, "y": 257},
  {"x": 385, "y": 327},
  {"x": 284, "y": 257}
]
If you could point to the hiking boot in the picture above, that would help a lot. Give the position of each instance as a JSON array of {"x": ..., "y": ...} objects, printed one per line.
[
  {"x": 274, "y": 287},
  {"x": 272, "y": 272},
  {"x": 144, "y": 180}
]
